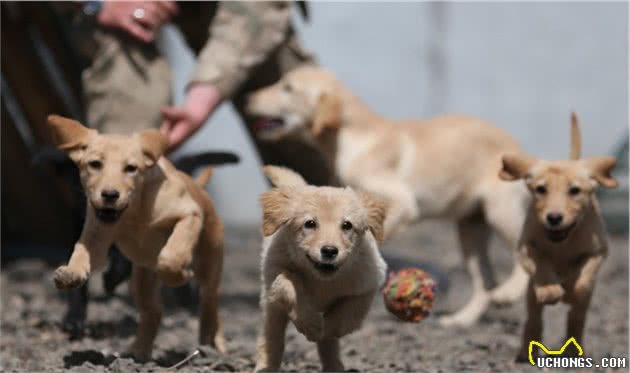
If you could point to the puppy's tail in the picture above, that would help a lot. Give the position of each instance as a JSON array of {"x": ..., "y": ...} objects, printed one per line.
[
  {"x": 204, "y": 176},
  {"x": 576, "y": 138}
]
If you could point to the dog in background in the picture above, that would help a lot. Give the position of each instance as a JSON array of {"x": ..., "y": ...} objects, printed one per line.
[
  {"x": 159, "y": 218},
  {"x": 564, "y": 241},
  {"x": 321, "y": 266},
  {"x": 444, "y": 167}
]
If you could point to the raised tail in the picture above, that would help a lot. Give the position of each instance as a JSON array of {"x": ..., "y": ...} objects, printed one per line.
[
  {"x": 204, "y": 176},
  {"x": 576, "y": 138}
]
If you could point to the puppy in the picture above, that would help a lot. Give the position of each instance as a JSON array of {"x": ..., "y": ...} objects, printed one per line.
[
  {"x": 445, "y": 167},
  {"x": 320, "y": 264},
  {"x": 158, "y": 217},
  {"x": 564, "y": 241}
]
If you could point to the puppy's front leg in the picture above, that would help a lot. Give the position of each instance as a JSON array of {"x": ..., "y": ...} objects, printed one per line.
[
  {"x": 270, "y": 346},
  {"x": 277, "y": 302},
  {"x": 328, "y": 350},
  {"x": 146, "y": 294},
  {"x": 532, "y": 330},
  {"x": 585, "y": 281},
  {"x": 346, "y": 315},
  {"x": 580, "y": 297},
  {"x": 287, "y": 290},
  {"x": 89, "y": 254},
  {"x": 173, "y": 264},
  {"x": 545, "y": 282}
]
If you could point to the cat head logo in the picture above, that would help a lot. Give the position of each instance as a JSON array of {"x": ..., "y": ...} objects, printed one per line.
[{"x": 553, "y": 352}]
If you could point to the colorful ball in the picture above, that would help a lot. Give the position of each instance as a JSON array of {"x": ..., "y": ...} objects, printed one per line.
[{"x": 409, "y": 294}]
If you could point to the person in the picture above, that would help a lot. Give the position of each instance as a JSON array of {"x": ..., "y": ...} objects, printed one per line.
[{"x": 240, "y": 47}]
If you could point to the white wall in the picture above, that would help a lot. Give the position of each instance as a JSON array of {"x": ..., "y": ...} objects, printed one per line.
[{"x": 522, "y": 66}]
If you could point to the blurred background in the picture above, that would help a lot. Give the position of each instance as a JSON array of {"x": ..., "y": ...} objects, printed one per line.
[{"x": 522, "y": 66}]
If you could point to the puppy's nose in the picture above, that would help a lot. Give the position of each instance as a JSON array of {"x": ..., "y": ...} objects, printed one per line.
[
  {"x": 110, "y": 195},
  {"x": 329, "y": 252},
  {"x": 554, "y": 218}
]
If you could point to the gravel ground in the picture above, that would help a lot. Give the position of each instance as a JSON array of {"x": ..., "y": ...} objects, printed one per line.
[{"x": 31, "y": 339}]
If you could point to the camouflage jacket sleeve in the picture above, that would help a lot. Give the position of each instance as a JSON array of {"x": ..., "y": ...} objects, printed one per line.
[{"x": 242, "y": 35}]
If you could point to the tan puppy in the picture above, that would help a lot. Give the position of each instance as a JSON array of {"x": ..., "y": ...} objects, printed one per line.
[
  {"x": 158, "y": 217},
  {"x": 445, "y": 167},
  {"x": 320, "y": 264},
  {"x": 564, "y": 240}
]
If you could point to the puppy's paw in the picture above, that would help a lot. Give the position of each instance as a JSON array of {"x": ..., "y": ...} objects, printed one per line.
[
  {"x": 66, "y": 278},
  {"x": 504, "y": 296},
  {"x": 264, "y": 368},
  {"x": 335, "y": 366},
  {"x": 312, "y": 327},
  {"x": 523, "y": 357},
  {"x": 172, "y": 274},
  {"x": 549, "y": 294},
  {"x": 138, "y": 353},
  {"x": 455, "y": 321}
]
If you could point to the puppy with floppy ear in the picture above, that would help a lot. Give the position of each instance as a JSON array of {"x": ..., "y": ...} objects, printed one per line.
[
  {"x": 69, "y": 135},
  {"x": 153, "y": 144},
  {"x": 158, "y": 217},
  {"x": 321, "y": 266},
  {"x": 563, "y": 241},
  {"x": 280, "y": 176}
]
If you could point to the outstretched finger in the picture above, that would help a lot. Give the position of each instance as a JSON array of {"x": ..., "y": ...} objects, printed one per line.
[
  {"x": 139, "y": 32},
  {"x": 172, "y": 113},
  {"x": 169, "y": 7}
]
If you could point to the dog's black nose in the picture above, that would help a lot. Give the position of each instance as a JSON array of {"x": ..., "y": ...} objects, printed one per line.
[
  {"x": 110, "y": 195},
  {"x": 554, "y": 218},
  {"x": 329, "y": 252}
]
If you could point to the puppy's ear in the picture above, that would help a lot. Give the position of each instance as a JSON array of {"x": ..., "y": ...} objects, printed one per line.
[
  {"x": 516, "y": 166},
  {"x": 327, "y": 114},
  {"x": 599, "y": 168},
  {"x": 69, "y": 135},
  {"x": 282, "y": 176},
  {"x": 276, "y": 206},
  {"x": 153, "y": 144},
  {"x": 376, "y": 211}
]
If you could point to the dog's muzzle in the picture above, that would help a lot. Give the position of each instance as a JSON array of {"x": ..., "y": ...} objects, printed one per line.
[
  {"x": 108, "y": 215},
  {"x": 558, "y": 235},
  {"x": 325, "y": 268},
  {"x": 268, "y": 124}
]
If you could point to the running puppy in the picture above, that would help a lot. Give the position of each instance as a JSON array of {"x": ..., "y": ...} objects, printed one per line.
[
  {"x": 444, "y": 167},
  {"x": 564, "y": 241},
  {"x": 159, "y": 218},
  {"x": 320, "y": 264}
]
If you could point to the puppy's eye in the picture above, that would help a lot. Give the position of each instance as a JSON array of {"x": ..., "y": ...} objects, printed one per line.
[
  {"x": 310, "y": 224},
  {"x": 541, "y": 189},
  {"x": 95, "y": 164},
  {"x": 346, "y": 225},
  {"x": 131, "y": 169},
  {"x": 574, "y": 191}
]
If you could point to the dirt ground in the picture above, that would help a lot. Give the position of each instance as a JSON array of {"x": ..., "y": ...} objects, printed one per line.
[{"x": 31, "y": 339}]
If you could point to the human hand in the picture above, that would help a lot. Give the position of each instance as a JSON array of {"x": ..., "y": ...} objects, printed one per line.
[
  {"x": 140, "y": 19},
  {"x": 181, "y": 122}
]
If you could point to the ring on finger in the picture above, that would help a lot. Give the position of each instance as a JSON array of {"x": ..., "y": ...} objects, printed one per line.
[{"x": 138, "y": 13}]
